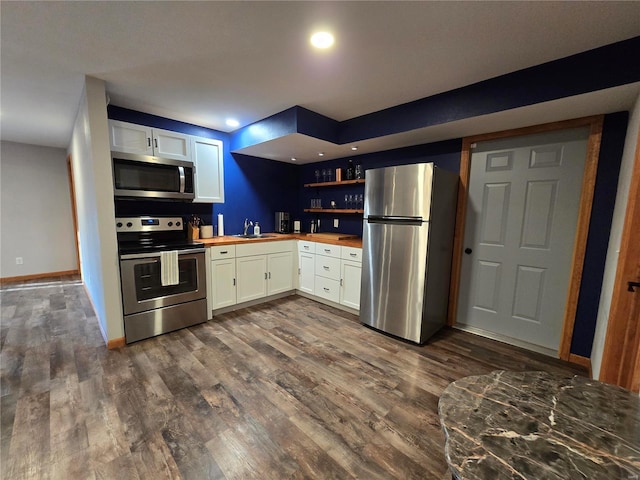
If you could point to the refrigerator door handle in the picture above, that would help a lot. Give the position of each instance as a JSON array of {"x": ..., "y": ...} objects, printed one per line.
[{"x": 395, "y": 220}]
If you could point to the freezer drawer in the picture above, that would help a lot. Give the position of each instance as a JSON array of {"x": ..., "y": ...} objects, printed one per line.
[
  {"x": 394, "y": 270},
  {"x": 402, "y": 191}
]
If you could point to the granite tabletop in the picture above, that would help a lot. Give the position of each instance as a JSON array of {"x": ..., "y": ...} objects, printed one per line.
[{"x": 534, "y": 425}]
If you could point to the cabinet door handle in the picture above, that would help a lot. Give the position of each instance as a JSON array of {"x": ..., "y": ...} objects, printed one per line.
[
  {"x": 340, "y": 282},
  {"x": 306, "y": 247},
  {"x": 326, "y": 289},
  {"x": 234, "y": 282},
  {"x": 155, "y": 141},
  {"x": 327, "y": 250},
  {"x": 353, "y": 254},
  {"x": 269, "y": 275},
  {"x": 224, "y": 253},
  {"x": 325, "y": 267},
  {"x": 148, "y": 141},
  {"x": 298, "y": 271},
  {"x": 265, "y": 275}
]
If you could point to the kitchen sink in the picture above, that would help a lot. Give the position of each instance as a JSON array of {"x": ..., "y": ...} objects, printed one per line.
[{"x": 240, "y": 235}]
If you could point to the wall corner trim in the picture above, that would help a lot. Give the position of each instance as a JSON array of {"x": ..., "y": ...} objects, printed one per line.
[{"x": 582, "y": 361}]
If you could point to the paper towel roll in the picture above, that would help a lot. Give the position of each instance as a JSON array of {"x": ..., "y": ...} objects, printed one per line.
[{"x": 220, "y": 225}]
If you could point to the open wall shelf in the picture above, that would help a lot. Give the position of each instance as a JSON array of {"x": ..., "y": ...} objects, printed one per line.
[
  {"x": 333, "y": 210},
  {"x": 330, "y": 184}
]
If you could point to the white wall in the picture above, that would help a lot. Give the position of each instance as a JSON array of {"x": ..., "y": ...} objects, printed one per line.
[
  {"x": 615, "y": 237},
  {"x": 93, "y": 181},
  {"x": 35, "y": 211}
]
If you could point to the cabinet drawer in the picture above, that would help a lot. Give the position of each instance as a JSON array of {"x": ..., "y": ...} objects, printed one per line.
[
  {"x": 223, "y": 251},
  {"x": 327, "y": 288},
  {"x": 328, "y": 267},
  {"x": 305, "y": 246},
  {"x": 352, "y": 253},
  {"x": 328, "y": 250}
]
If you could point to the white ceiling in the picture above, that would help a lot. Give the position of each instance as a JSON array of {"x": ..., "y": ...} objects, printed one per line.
[{"x": 201, "y": 62}]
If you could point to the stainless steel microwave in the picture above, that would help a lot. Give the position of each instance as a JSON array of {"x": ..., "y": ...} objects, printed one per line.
[{"x": 152, "y": 177}]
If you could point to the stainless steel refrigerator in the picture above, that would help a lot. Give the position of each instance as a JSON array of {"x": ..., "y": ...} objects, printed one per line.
[{"x": 409, "y": 221}]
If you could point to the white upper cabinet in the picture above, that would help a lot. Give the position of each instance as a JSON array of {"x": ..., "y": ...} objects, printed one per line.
[
  {"x": 173, "y": 145},
  {"x": 131, "y": 138},
  {"x": 209, "y": 177}
]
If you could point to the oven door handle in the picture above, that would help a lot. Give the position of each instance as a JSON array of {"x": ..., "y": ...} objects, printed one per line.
[{"x": 137, "y": 256}]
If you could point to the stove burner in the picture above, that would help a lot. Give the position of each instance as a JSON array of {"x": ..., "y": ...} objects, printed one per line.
[{"x": 152, "y": 234}]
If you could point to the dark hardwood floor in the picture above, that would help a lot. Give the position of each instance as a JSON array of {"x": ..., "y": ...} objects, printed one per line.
[{"x": 287, "y": 389}]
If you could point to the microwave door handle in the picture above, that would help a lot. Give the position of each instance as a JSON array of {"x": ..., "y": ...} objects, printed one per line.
[{"x": 182, "y": 179}]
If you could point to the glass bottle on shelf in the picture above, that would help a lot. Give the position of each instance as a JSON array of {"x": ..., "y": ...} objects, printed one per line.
[{"x": 351, "y": 172}]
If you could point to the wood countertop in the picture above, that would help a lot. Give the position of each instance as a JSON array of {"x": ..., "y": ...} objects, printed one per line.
[{"x": 231, "y": 240}]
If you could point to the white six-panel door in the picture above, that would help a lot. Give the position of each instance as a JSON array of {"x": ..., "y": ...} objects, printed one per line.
[{"x": 524, "y": 197}]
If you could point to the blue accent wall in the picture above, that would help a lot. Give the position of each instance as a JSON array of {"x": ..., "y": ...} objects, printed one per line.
[
  {"x": 609, "y": 160},
  {"x": 589, "y": 71}
]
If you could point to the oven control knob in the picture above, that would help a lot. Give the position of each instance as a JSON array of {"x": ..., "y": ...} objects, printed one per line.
[
  {"x": 170, "y": 224},
  {"x": 177, "y": 224},
  {"x": 119, "y": 224},
  {"x": 129, "y": 224}
]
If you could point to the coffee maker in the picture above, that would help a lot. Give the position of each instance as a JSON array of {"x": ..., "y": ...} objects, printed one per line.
[{"x": 282, "y": 223}]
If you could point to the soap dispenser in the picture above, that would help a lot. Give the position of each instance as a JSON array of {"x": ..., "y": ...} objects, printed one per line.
[{"x": 256, "y": 229}]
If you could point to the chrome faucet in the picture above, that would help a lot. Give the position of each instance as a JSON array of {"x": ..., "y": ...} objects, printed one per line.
[{"x": 247, "y": 223}]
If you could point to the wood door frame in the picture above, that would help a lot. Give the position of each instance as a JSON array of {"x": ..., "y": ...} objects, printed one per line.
[
  {"x": 582, "y": 228},
  {"x": 74, "y": 211},
  {"x": 621, "y": 353}
]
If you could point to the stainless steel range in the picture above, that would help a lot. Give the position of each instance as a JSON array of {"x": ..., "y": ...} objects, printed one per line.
[{"x": 163, "y": 276}]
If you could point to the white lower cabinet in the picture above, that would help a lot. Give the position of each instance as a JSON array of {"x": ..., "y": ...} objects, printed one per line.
[
  {"x": 252, "y": 278},
  {"x": 306, "y": 272},
  {"x": 247, "y": 272},
  {"x": 350, "y": 284},
  {"x": 223, "y": 283},
  {"x": 279, "y": 269},
  {"x": 242, "y": 273},
  {"x": 330, "y": 272},
  {"x": 221, "y": 277}
]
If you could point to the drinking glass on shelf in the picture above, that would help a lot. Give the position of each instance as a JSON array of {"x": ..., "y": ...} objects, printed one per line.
[
  {"x": 324, "y": 175},
  {"x": 329, "y": 175},
  {"x": 317, "y": 173},
  {"x": 313, "y": 203},
  {"x": 351, "y": 202},
  {"x": 361, "y": 201},
  {"x": 346, "y": 201},
  {"x": 359, "y": 172},
  {"x": 318, "y": 203}
]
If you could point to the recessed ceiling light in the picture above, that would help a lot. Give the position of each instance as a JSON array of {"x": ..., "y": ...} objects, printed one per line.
[
  {"x": 232, "y": 122},
  {"x": 321, "y": 154},
  {"x": 293, "y": 159},
  {"x": 354, "y": 148},
  {"x": 322, "y": 40}
]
